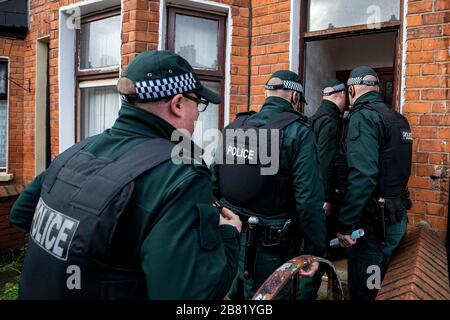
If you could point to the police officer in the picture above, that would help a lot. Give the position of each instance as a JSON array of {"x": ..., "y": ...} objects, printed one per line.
[
  {"x": 121, "y": 219},
  {"x": 283, "y": 204},
  {"x": 327, "y": 126},
  {"x": 379, "y": 147}
]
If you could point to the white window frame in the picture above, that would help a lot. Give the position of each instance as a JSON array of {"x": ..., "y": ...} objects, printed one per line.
[
  {"x": 96, "y": 84},
  {"x": 4, "y": 175},
  {"x": 212, "y": 7},
  {"x": 90, "y": 75},
  {"x": 66, "y": 63}
]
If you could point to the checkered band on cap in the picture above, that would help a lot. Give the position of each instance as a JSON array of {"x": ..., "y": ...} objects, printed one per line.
[
  {"x": 292, "y": 85},
  {"x": 337, "y": 88},
  {"x": 166, "y": 87},
  {"x": 360, "y": 80},
  {"x": 355, "y": 81}
]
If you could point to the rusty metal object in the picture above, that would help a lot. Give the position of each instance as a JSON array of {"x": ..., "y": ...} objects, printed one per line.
[{"x": 290, "y": 270}]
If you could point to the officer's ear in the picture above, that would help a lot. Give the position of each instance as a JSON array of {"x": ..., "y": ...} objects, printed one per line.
[
  {"x": 176, "y": 105},
  {"x": 295, "y": 98},
  {"x": 351, "y": 91}
]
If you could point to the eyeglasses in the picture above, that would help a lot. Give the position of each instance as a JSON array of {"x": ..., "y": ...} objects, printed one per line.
[{"x": 202, "y": 104}]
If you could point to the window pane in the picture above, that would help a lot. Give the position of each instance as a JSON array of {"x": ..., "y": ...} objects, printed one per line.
[
  {"x": 3, "y": 71},
  {"x": 209, "y": 119},
  {"x": 99, "y": 109},
  {"x": 3, "y": 133},
  {"x": 196, "y": 41},
  {"x": 100, "y": 43},
  {"x": 328, "y": 14}
]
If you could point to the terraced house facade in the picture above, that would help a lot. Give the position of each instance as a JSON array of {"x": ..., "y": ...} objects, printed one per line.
[{"x": 60, "y": 60}]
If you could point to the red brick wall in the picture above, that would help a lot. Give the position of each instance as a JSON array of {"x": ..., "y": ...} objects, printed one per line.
[
  {"x": 14, "y": 51},
  {"x": 21, "y": 54},
  {"x": 21, "y": 155},
  {"x": 140, "y": 28},
  {"x": 10, "y": 237},
  {"x": 427, "y": 95},
  {"x": 17, "y": 151},
  {"x": 270, "y": 44},
  {"x": 239, "y": 56}
]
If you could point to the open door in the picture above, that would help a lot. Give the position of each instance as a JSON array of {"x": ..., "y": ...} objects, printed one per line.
[
  {"x": 331, "y": 58},
  {"x": 337, "y": 36}
]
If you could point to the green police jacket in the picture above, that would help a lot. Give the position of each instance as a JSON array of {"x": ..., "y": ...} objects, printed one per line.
[
  {"x": 298, "y": 154},
  {"x": 363, "y": 141},
  {"x": 328, "y": 130},
  {"x": 169, "y": 230}
]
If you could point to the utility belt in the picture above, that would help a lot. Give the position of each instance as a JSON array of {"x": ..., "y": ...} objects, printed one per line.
[
  {"x": 381, "y": 212},
  {"x": 266, "y": 236},
  {"x": 273, "y": 235}
]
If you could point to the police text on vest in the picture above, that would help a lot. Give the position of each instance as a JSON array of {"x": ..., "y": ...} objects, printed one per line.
[
  {"x": 52, "y": 230},
  {"x": 406, "y": 135},
  {"x": 241, "y": 152}
]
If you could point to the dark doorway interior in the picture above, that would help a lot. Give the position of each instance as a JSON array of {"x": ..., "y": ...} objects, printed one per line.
[
  {"x": 386, "y": 76},
  {"x": 334, "y": 58}
]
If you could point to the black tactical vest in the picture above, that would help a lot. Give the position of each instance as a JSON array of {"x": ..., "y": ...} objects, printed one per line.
[
  {"x": 241, "y": 181},
  {"x": 395, "y": 152},
  {"x": 82, "y": 198}
]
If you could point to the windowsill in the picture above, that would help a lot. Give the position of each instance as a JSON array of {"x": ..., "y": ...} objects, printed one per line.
[{"x": 5, "y": 177}]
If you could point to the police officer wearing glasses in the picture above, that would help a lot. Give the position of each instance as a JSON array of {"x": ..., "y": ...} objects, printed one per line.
[
  {"x": 118, "y": 211},
  {"x": 378, "y": 145},
  {"x": 284, "y": 207}
]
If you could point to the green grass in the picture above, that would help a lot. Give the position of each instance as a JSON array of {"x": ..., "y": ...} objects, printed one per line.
[
  {"x": 10, "y": 266},
  {"x": 11, "y": 290}
]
